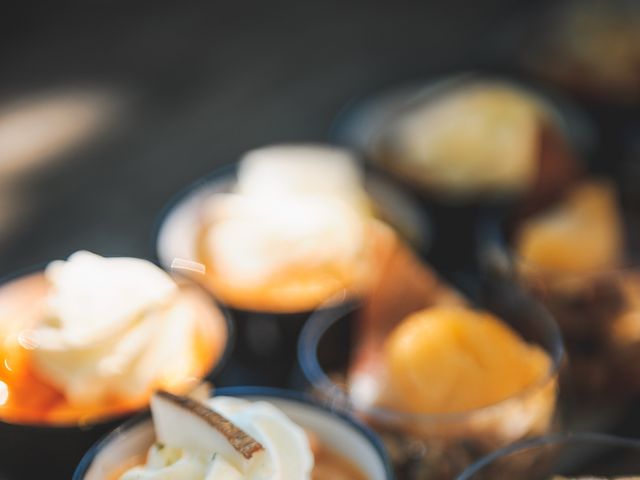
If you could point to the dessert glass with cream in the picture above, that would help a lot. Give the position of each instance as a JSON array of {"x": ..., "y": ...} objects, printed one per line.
[
  {"x": 591, "y": 50},
  {"x": 574, "y": 257},
  {"x": 247, "y": 432},
  {"x": 86, "y": 341},
  {"x": 468, "y": 145},
  {"x": 583, "y": 456},
  {"x": 288, "y": 229},
  {"x": 445, "y": 384}
]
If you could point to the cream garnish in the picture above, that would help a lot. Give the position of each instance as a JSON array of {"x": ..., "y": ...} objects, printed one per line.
[
  {"x": 285, "y": 170},
  {"x": 114, "y": 327},
  {"x": 292, "y": 206},
  {"x": 288, "y": 454}
]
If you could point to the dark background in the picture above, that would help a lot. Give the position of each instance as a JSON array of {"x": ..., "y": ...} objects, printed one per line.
[{"x": 200, "y": 83}]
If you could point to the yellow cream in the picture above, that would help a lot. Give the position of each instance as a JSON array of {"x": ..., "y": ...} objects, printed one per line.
[
  {"x": 581, "y": 234},
  {"x": 293, "y": 233},
  {"x": 454, "y": 359},
  {"x": 481, "y": 139}
]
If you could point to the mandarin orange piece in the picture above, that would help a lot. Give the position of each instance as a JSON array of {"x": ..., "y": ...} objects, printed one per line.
[
  {"x": 583, "y": 233},
  {"x": 453, "y": 359}
]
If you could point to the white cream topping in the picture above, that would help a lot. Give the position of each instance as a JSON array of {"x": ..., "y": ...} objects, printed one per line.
[
  {"x": 284, "y": 170},
  {"x": 289, "y": 456},
  {"x": 293, "y": 205},
  {"x": 113, "y": 328},
  {"x": 257, "y": 239}
]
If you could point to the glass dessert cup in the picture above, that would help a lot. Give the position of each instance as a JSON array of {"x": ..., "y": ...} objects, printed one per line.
[
  {"x": 439, "y": 446},
  {"x": 338, "y": 435},
  {"x": 600, "y": 68},
  {"x": 35, "y": 416},
  {"x": 373, "y": 125},
  {"x": 266, "y": 337},
  {"x": 575, "y": 456},
  {"x": 595, "y": 310},
  {"x": 589, "y": 49}
]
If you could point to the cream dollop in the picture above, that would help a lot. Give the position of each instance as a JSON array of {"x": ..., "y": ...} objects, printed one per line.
[
  {"x": 289, "y": 455},
  {"x": 480, "y": 139},
  {"x": 113, "y": 328},
  {"x": 292, "y": 205},
  {"x": 284, "y": 170}
]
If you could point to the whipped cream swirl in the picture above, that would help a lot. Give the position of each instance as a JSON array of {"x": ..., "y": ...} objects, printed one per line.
[
  {"x": 113, "y": 329},
  {"x": 293, "y": 206},
  {"x": 289, "y": 455}
]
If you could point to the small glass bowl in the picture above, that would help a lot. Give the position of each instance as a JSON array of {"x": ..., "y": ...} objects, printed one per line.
[
  {"x": 369, "y": 125},
  {"x": 439, "y": 446},
  {"x": 265, "y": 352},
  {"x": 547, "y": 50},
  {"x": 609, "y": 96},
  {"x": 585, "y": 455},
  {"x": 338, "y": 432},
  {"x": 590, "y": 308},
  {"x": 59, "y": 447}
]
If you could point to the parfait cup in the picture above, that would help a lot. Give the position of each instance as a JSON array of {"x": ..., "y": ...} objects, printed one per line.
[
  {"x": 440, "y": 446},
  {"x": 583, "y": 455},
  {"x": 456, "y": 199},
  {"x": 266, "y": 338},
  {"x": 554, "y": 51},
  {"x": 597, "y": 312},
  {"x": 337, "y": 433},
  {"x": 37, "y": 444}
]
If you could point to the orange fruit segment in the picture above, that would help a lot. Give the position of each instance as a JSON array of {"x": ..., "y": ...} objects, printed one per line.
[
  {"x": 450, "y": 359},
  {"x": 582, "y": 233}
]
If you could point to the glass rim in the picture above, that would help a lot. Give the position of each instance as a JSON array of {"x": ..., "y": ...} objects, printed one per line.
[
  {"x": 247, "y": 391},
  {"x": 215, "y": 368},
  {"x": 321, "y": 321},
  {"x": 557, "y": 438}
]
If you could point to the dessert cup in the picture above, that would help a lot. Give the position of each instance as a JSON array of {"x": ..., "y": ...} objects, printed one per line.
[
  {"x": 339, "y": 433},
  {"x": 595, "y": 311},
  {"x": 576, "y": 456},
  {"x": 565, "y": 47},
  {"x": 588, "y": 48},
  {"x": 35, "y": 446},
  {"x": 439, "y": 446},
  {"x": 370, "y": 126},
  {"x": 266, "y": 339}
]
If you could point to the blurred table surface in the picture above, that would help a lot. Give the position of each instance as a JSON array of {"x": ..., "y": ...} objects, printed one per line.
[{"x": 197, "y": 84}]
